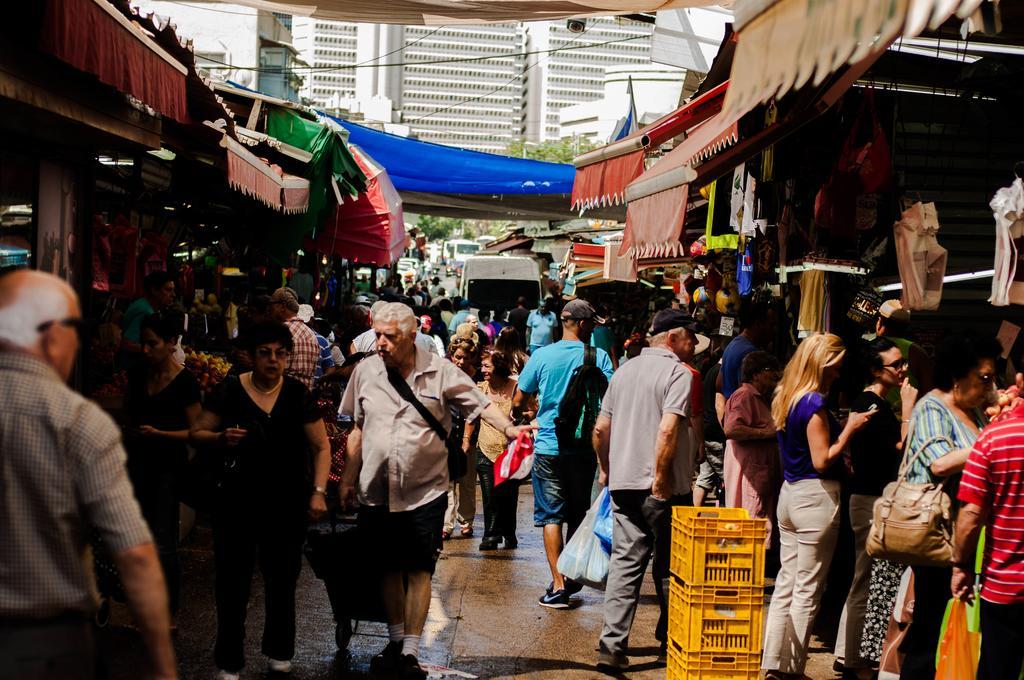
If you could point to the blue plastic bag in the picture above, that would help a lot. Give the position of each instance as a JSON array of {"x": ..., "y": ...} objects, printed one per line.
[
  {"x": 583, "y": 559},
  {"x": 603, "y": 522}
]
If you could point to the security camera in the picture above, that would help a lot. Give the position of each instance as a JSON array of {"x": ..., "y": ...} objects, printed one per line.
[{"x": 576, "y": 25}]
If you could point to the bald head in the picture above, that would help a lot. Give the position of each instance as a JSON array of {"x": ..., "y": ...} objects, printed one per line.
[{"x": 30, "y": 300}]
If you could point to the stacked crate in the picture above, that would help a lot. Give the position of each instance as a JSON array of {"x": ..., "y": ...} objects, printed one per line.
[{"x": 716, "y": 594}]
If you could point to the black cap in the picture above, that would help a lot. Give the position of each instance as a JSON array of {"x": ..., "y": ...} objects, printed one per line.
[
  {"x": 579, "y": 310},
  {"x": 669, "y": 319}
]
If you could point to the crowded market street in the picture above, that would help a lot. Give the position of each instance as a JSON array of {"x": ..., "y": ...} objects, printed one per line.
[
  {"x": 557, "y": 339},
  {"x": 483, "y": 622}
]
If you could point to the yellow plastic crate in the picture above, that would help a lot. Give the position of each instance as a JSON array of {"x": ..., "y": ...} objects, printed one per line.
[
  {"x": 712, "y": 665},
  {"x": 716, "y": 618},
  {"x": 717, "y": 547}
]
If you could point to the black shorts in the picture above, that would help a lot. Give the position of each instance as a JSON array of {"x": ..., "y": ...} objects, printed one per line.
[{"x": 405, "y": 541}]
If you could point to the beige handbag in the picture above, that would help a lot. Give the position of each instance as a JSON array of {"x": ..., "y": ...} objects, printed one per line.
[{"x": 912, "y": 524}]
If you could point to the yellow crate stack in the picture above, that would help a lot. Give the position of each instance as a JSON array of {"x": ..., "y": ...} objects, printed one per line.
[{"x": 716, "y": 594}]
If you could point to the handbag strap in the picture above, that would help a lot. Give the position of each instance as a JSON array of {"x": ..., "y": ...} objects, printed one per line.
[
  {"x": 405, "y": 392},
  {"x": 907, "y": 463}
]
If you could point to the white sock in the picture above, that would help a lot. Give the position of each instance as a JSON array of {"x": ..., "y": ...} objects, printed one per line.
[
  {"x": 411, "y": 645},
  {"x": 396, "y": 632}
]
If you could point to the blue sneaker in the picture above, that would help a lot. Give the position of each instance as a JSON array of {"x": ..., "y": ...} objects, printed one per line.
[{"x": 558, "y": 599}]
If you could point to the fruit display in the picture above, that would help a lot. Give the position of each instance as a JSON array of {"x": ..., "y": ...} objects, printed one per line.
[
  {"x": 117, "y": 386},
  {"x": 208, "y": 369},
  {"x": 1006, "y": 401}
]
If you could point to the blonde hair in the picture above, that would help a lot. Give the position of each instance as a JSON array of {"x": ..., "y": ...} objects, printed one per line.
[{"x": 802, "y": 374}]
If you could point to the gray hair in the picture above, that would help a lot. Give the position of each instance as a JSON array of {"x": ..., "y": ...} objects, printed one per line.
[
  {"x": 399, "y": 313},
  {"x": 376, "y": 307},
  {"x": 31, "y": 306}
]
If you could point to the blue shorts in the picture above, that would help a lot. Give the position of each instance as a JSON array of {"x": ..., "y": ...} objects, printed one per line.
[{"x": 562, "y": 486}]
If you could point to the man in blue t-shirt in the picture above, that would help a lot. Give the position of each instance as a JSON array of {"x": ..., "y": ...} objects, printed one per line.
[
  {"x": 758, "y": 321},
  {"x": 540, "y": 326},
  {"x": 562, "y": 480}
]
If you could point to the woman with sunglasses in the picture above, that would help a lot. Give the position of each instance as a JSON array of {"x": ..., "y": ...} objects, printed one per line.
[
  {"x": 269, "y": 433},
  {"x": 943, "y": 427},
  {"x": 875, "y": 453},
  {"x": 162, "y": 404}
]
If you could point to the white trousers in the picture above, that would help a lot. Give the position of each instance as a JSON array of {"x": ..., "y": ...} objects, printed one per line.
[{"x": 808, "y": 517}]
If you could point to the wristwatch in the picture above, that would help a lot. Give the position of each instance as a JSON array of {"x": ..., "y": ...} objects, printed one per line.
[{"x": 320, "y": 490}]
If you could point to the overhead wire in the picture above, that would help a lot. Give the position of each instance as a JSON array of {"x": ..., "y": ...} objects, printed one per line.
[
  {"x": 459, "y": 60},
  {"x": 518, "y": 76}
]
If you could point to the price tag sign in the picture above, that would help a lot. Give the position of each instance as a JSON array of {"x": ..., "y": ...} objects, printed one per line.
[{"x": 726, "y": 325}]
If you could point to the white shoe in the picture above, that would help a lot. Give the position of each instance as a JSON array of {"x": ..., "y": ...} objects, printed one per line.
[
  {"x": 227, "y": 675},
  {"x": 277, "y": 666}
]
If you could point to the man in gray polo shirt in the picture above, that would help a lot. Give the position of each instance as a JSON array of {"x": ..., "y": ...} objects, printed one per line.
[{"x": 647, "y": 461}]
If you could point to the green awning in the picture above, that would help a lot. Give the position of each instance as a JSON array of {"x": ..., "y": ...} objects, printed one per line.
[{"x": 331, "y": 159}]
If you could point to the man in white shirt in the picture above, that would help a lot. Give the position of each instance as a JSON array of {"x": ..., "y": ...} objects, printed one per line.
[{"x": 367, "y": 341}]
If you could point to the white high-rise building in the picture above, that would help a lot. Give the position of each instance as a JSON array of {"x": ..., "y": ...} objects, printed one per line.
[
  {"x": 480, "y": 104},
  {"x": 577, "y": 76}
]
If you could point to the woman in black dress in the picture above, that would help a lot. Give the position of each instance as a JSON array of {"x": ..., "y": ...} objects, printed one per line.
[
  {"x": 162, "y": 404},
  {"x": 265, "y": 426}
]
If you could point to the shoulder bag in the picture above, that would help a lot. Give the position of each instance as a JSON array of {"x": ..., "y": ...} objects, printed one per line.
[
  {"x": 912, "y": 524},
  {"x": 458, "y": 465}
]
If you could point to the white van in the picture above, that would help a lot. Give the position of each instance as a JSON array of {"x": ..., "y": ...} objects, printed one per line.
[{"x": 497, "y": 281}]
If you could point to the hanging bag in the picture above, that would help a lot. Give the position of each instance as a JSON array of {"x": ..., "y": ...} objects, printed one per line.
[{"x": 912, "y": 524}]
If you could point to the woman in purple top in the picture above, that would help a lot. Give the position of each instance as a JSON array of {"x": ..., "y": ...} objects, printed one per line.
[{"x": 810, "y": 442}]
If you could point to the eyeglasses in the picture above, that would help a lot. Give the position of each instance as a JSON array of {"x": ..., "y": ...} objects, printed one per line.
[
  {"x": 896, "y": 365},
  {"x": 267, "y": 353},
  {"x": 71, "y": 322}
]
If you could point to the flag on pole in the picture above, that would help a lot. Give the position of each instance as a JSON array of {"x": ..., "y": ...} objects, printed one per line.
[{"x": 628, "y": 124}]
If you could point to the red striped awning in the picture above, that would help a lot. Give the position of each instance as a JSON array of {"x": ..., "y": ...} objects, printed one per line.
[
  {"x": 95, "y": 37},
  {"x": 602, "y": 175},
  {"x": 264, "y": 182}
]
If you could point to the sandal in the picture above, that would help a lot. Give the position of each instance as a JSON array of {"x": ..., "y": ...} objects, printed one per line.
[
  {"x": 445, "y": 535},
  {"x": 466, "y": 531}
]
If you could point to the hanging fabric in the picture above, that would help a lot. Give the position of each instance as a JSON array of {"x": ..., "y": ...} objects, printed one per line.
[
  {"x": 1008, "y": 282},
  {"x": 736, "y": 199},
  {"x": 719, "y": 232},
  {"x": 812, "y": 303},
  {"x": 745, "y": 269},
  {"x": 921, "y": 260}
]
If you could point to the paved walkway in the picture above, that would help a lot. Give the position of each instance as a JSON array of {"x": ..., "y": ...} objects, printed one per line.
[{"x": 484, "y": 622}]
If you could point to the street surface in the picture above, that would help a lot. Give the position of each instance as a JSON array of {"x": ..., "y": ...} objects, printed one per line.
[{"x": 484, "y": 621}]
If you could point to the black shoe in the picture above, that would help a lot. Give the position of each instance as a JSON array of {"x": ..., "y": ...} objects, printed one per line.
[
  {"x": 387, "y": 660},
  {"x": 490, "y": 543},
  {"x": 572, "y": 587},
  {"x": 409, "y": 668},
  {"x": 511, "y": 543},
  {"x": 612, "y": 663},
  {"x": 558, "y": 599}
]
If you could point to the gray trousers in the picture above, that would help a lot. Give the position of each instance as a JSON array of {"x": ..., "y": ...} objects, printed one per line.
[{"x": 642, "y": 530}]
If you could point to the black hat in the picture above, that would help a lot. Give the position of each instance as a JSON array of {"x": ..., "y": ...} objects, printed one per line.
[
  {"x": 669, "y": 319},
  {"x": 579, "y": 310}
]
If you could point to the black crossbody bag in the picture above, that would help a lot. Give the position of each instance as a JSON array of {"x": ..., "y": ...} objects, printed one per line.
[{"x": 458, "y": 465}]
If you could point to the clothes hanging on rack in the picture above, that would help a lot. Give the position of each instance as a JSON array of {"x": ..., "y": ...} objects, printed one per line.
[
  {"x": 812, "y": 303},
  {"x": 921, "y": 260},
  {"x": 1008, "y": 281}
]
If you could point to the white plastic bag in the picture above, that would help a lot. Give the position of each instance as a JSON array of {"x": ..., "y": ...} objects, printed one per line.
[{"x": 584, "y": 560}]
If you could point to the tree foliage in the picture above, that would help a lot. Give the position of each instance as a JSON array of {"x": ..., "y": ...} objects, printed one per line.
[
  {"x": 440, "y": 228},
  {"x": 560, "y": 151}
]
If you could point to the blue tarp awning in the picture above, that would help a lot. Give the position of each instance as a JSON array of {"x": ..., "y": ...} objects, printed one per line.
[{"x": 414, "y": 165}]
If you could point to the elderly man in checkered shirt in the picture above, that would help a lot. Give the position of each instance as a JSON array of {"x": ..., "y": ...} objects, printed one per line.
[
  {"x": 63, "y": 472},
  {"x": 284, "y": 308}
]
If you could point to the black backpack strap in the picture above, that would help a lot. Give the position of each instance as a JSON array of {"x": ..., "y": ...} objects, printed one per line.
[
  {"x": 405, "y": 392},
  {"x": 589, "y": 356}
]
